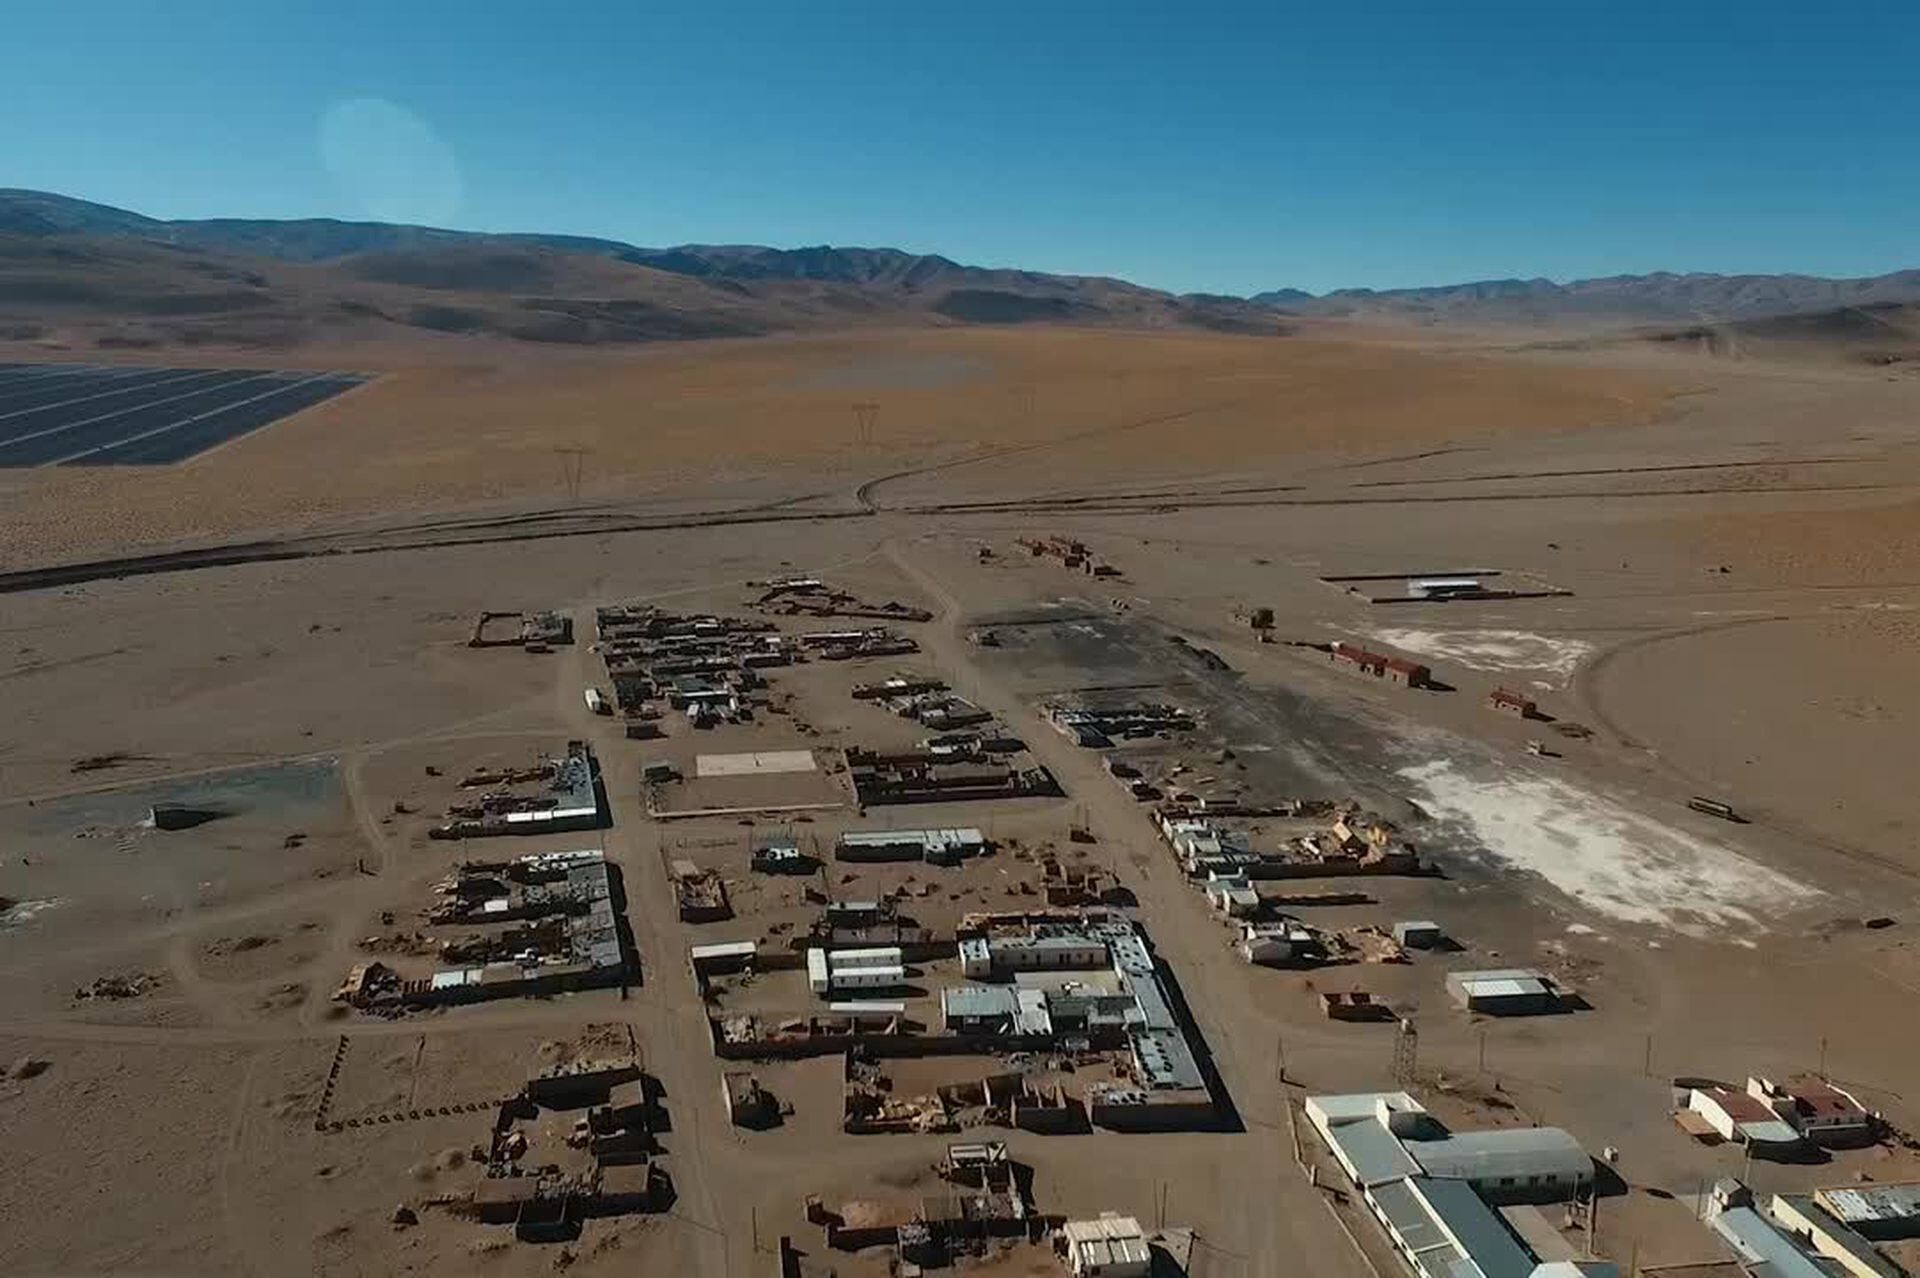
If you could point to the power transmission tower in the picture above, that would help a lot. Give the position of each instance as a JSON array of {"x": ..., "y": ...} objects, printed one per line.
[
  {"x": 572, "y": 463},
  {"x": 863, "y": 416},
  {"x": 1406, "y": 1052}
]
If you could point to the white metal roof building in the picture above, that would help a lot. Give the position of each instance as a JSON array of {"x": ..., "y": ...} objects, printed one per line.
[
  {"x": 721, "y": 952},
  {"x": 1111, "y": 1247},
  {"x": 1446, "y": 1231},
  {"x": 976, "y": 957},
  {"x": 1514, "y": 1159},
  {"x": 872, "y": 845},
  {"x": 1370, "y": 1154},
  {"x": 1326, "y": 1111},
  {"x": 967, "y": 1006},
  {"x": 1428, "y": 1187},
  {"x": 1506, "y": 991}
]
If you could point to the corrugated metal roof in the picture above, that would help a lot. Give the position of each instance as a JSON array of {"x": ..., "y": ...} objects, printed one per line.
[
  {"x": 1371, "y": 1153},
  {"x": 1861, "y": 1255},
  {"x": 1110, "y": 1240},
  {"x": 1507, "y": 983},
  {"x": 1760, "y": 1243},
  {"x": 1879, "y": 1203},
  {"x": 1410, "y": 1218},
  {"x": 1516, "y": 1152},
  {"x": 1491, "y": 1251}
]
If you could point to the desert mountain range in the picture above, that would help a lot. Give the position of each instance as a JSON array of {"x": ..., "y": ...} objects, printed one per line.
[{"x": 78, "y": 273}]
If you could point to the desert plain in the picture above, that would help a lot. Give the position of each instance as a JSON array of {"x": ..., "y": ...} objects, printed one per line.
[{"x": 1720, "y": 562}]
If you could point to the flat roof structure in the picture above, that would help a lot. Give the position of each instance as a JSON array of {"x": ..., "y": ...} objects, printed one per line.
[
  {"x": 1107, "y": 1245},
  {"x": 720, "y": 951},
  {"x": 1513, "y": 991},
  {"x": 1325, "y": 1111},
  {"x": 979, "y": 1001},
  {"x": 868, "y": 1007},
  {"x": 1490, "y": 1249},
  {"x": 1371, "y": 1154},
  {"x": 1831, "y": 1237},
  {"x": 1762, "y": 1244},
  {"x": 1506, "y": 983},
  {"x": 754, "y": 762},
  {"x": 1412, "y": 1224},
  {"x": 963, "y": 837},
  {"x": 1873, "y": 1205},
  {"x": 1448, "y": 1232}
]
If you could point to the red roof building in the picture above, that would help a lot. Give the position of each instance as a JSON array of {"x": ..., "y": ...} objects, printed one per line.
[
  {"x": 1513, "y": 703},
  {"x": 1398, "y": 670},
  {"x": 1815, "y": 1107}
]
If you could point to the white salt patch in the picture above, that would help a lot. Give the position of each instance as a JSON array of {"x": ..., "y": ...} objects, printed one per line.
[
  {"x": 24, "y": 912},
  {"x": 1493, "y": 650},
  {"x": 1581, "y": 929},
  {"x": 1615, "y": 861}
]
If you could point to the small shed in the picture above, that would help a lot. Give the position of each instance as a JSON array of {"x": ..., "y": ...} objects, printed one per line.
[
  {"x": 1112, "y": 1246},
  {"x": 748, "y": 1104},
  {"x": 1506, "y": 992},
  {"x": 1518, "y": 704},
  {"x": 1419, "y": 934}
]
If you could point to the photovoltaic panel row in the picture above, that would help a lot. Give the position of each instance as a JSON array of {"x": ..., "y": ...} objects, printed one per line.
[
  {"x": 47, "y": 407},
  {"x": 179, "y": 442},
  {"x": 127, "y": 415},
  {"x": 22, "y": 387}
]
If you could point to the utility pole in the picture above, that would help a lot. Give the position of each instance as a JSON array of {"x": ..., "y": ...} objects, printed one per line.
[
  {"x": 1406, "y": 1052},
  {"x": 1647, "y": 1066},
  {"x": 572, "y": 463}
]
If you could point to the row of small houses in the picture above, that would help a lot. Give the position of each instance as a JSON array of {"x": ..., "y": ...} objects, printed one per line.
[
  {"x": 1413, "y": 674},
  {"x": 1776, "y": 1118}
]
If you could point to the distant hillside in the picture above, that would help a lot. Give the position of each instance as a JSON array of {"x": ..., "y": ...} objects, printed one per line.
[
  {"x": 1880, "y": 333},
  {"x": 71, "y": 268},
  {"x": 1614, "y": 299}
]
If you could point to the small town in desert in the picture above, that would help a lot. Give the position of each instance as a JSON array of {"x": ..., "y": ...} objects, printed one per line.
[{"x": 525, "y": 753}]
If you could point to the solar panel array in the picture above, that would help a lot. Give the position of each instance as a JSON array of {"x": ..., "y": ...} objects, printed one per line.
[{"x": 136, "y": 415}]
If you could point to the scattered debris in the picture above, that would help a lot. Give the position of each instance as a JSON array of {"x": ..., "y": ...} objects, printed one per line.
[{"x": 118, "y": 987}]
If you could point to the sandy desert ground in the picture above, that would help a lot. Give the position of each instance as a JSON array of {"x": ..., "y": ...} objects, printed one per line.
[{"x": 1739, "y": 551}]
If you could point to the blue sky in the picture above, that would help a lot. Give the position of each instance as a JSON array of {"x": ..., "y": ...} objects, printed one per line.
[{"x": 1196, "y": 146}]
